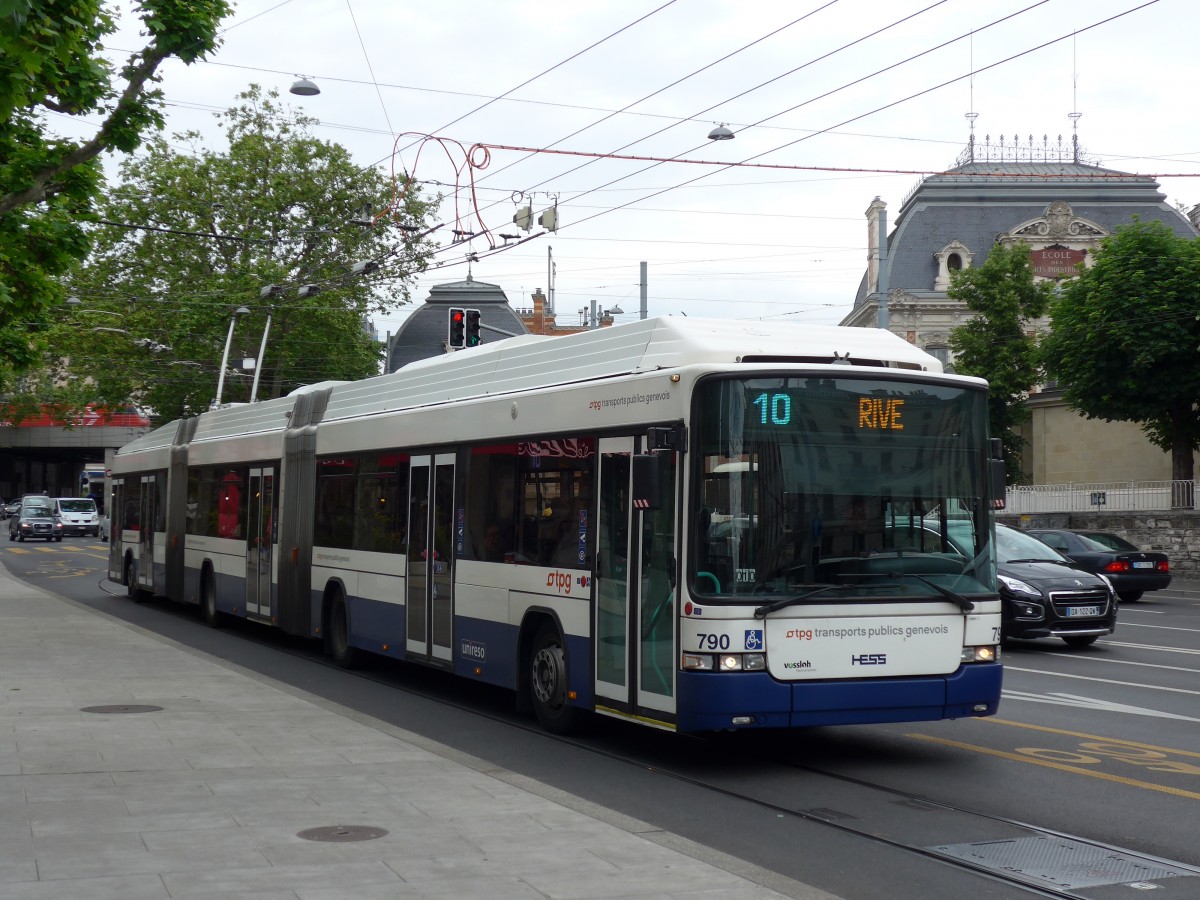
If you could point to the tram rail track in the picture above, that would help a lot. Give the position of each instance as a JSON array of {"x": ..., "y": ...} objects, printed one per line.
[{"x": 1093, "y": 865}]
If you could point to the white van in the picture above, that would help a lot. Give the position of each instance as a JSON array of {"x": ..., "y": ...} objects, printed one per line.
[{"x": 79, "y": 515}]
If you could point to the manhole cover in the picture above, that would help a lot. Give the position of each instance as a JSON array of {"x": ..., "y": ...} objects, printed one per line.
[
  {"x": 124, "y": 708},
  {"x": 1062, "y": 862},
  {"x": 342, "y": 833}
]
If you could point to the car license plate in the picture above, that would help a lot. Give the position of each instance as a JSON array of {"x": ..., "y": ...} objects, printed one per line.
[
  {"x": 1143, "y": 565},
  {"x": 1075, "y": 611}
]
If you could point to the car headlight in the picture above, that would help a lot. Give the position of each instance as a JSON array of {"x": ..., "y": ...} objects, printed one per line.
[{"x": 1020, "y": 587}]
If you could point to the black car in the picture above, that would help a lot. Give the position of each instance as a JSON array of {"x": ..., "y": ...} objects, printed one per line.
[
  {"x": 1044, "y": 594},
  {"x": 1131, "y": 571},
  {"x": 35, "y": 519}
]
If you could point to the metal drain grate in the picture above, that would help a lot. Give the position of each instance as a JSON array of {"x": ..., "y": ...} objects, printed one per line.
[
  {"x": 342, "y": 833},
  {"x": 123, "y": 708},
  {"x": 1060, "y": 862}
]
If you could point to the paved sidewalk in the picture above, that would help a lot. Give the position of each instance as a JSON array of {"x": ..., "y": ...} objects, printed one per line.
[{"x": 207, "y": 795}]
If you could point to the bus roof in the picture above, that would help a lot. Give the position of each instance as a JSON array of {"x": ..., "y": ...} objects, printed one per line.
[
  {"x": 529, "y": 362},
  {"x": 532, "y": 361}
]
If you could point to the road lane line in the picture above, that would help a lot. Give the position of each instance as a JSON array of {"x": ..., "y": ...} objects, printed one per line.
[
  {"x": 1161, "y": 647},
  {"x": 1087, "y": 736},
  {"x": 1149, "y": 687},
  {"x": 1062, "y": 767},
  {"x": 1114, "y": 662}
]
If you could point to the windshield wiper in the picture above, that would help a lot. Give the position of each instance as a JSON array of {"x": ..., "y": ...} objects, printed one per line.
[
  {"x": 1044, "y": 559},
  {"x": 962, "y": 602},
  {"x": 763, "y": 611}
]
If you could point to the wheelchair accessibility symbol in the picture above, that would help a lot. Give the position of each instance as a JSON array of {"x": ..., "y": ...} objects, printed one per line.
[{"x": 754, "y": 639}]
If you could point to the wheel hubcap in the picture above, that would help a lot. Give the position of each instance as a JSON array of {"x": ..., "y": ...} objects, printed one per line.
[{"x": 548, "y": 675}]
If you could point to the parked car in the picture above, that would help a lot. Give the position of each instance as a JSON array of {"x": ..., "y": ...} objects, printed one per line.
[
  {"x": 35, "y": 519},
  {"x": 1045, "y": 594},
  {"x": 1131, "y": 571},
  {"x": 79, "y": 515},
  {"x": 12, "y": 508}
]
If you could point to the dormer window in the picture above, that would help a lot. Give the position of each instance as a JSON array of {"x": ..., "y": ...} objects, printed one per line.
[{"x": 954, "y": 257}]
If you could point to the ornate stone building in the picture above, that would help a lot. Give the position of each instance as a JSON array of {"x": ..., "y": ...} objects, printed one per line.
[{"x": 1062, "y": 206}]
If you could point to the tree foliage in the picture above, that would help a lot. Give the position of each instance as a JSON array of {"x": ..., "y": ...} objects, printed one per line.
[
  {"x": 215, "y": 229},
  {"x": 51, "y": 62},
  {"x": 1125, "y": 336},
  {"x": 995, "y": 344}
]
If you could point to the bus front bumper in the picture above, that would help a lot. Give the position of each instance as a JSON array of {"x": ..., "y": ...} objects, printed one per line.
[{"x": 717, "y": 701}]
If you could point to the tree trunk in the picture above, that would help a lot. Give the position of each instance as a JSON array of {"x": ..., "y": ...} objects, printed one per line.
[{"x": 1183, "y": 470}]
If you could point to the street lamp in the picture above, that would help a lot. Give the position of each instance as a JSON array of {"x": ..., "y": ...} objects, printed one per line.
[
  {"x": 721, "y": 133},
  {"x": 303, "y": 87},
  {"x": 240, "y": 311}
]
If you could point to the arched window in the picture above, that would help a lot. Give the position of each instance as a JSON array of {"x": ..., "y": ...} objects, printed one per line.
[{"x": 954, "y": 257}]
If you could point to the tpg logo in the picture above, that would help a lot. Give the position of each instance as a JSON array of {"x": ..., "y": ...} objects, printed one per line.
[{"x": 869, "y": 659}]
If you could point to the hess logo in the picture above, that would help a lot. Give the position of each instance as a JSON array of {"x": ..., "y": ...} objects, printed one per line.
[{"x": 869, "y": 659}]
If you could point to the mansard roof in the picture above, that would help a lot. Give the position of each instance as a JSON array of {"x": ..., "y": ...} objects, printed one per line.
[
  {"x": 424, "y": 333},
  {"x": 978, "y": 201}
]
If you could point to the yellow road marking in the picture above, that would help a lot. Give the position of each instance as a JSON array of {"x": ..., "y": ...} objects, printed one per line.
[
  {"x": 1092, "y": 737},
  {"x": 1062, "y": 767}
]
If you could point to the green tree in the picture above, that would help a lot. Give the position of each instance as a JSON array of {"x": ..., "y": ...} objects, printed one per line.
[
  {"x": 51, "y": 62},
  {"x": 996, "y": 345},
  {"x": 1125, "y": 336},
  {"x": 187, "y": 238}
]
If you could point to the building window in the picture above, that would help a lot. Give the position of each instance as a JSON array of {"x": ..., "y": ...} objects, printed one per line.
[{"x": 954, "y": 257}]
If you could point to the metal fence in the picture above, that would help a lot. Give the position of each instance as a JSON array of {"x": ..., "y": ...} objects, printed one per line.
[{"x": 1114, "y": 496}]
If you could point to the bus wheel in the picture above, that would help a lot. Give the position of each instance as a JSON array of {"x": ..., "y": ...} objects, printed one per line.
[
  {"x": 548, "y": 682},
  {"x": 212, "y": 616},
  {"x": 132, "y": 591},
  {"x": 340, "y": 649}
]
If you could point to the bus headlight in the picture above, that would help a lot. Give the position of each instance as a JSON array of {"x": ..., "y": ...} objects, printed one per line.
[
  {"x": 986, "y": 653},
  {"x": 727, "y": 662}
]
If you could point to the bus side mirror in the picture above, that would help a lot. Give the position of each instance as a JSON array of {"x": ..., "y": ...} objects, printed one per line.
[
  {"x": 999, "y": 474},
  {"x": 647, "y": 479}
]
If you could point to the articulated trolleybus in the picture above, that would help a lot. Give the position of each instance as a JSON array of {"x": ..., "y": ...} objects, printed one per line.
[{"x": 695, "y": 525}]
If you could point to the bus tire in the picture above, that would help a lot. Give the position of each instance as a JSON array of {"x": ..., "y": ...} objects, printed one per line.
[
  {"x": 548, "y": 681},
  {"x": 212, "y": 616},
  {"x": 132, "y": 591},
  {"x": 340, "y": 649}
]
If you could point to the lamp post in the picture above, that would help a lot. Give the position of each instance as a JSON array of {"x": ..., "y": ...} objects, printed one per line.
[{"x": 240, "y": 311}]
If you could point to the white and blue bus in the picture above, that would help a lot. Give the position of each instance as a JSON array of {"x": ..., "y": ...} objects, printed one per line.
[{"x": 695, "y": 525}]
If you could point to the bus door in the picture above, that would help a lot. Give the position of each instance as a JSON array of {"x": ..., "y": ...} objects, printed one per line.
[
  {"x": 148, "y": 517},
  {"x": 431, "y": 539},
  {"x": 260, "y": 540},
  {"x": 635, "y": 588}
]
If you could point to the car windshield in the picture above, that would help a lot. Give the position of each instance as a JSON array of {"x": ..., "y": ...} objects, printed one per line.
[
  {"x": 804, "y": 482},
  {"x": 38, "y": 509},
  {"x": 1108, "y": 541},
  {"x": 77, "y": 506},
  {"x": 1017, "y": 546}
]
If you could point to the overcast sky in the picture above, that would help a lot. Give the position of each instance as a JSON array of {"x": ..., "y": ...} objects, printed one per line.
[{"x": 782, "y": 241}]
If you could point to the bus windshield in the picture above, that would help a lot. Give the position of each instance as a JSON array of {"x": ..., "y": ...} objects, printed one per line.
[{"x": 873, "y": 485}]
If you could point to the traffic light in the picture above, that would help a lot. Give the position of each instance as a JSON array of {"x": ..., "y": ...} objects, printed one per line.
[
  {"x": 458, "y": 322},
  {"x": 473, "y": 339}
]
